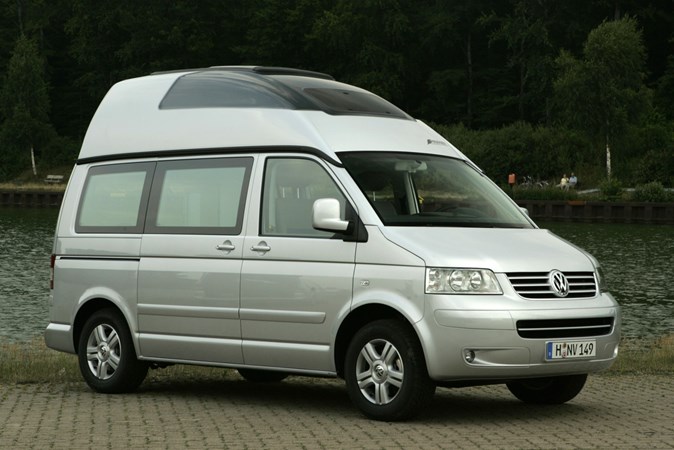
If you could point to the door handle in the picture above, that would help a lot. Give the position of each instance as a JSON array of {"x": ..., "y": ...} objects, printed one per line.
[
  {"x": 226, "y": 246},
  {"x": 262, "y": 247}
]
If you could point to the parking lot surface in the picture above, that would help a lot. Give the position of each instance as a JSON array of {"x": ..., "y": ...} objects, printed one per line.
[{"x": 611, "y": 412}]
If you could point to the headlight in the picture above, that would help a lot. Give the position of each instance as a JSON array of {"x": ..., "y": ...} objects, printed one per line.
[
  {"x": 601, "y": 283},
  {"x": 461, "y": 281}
]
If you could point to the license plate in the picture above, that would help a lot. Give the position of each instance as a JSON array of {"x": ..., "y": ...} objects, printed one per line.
[{"x": 570, "y": 350}]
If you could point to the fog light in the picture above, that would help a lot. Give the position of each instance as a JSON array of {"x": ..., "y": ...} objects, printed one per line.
[{"x": 469, "y": 356}]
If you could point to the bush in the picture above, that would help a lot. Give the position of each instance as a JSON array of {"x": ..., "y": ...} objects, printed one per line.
[
  {"x": 541, "y": 152},
  {"x": 652, "y": 192},
  {"x": 611, "y": 189}
]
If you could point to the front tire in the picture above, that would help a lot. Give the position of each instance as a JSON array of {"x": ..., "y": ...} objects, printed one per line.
[
  {"x": 385, "y": 371},
  {"x": 548, "y": 391},
  {"x": 106, "y": 355}
]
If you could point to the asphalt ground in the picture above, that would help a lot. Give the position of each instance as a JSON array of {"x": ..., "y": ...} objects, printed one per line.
[{"x": 625, "y": 411}]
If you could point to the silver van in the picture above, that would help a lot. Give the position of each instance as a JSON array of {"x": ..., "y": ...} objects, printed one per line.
[{"x": 279, "y": 222}]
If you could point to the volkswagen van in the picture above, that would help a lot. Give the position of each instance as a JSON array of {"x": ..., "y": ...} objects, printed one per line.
[{"x": 278, "y": 222}]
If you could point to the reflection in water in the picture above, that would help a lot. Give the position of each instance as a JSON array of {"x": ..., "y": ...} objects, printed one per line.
[
  {"x": 637, "y": 260},
  {"x": 638, "y": 263},
  {"x": 26, "y": 238}
]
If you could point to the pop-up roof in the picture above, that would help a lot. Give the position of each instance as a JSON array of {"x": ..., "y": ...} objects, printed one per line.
[{"x": 229, "y": 109}]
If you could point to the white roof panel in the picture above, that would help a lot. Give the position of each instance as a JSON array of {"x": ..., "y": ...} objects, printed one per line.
[{"x": 129, "y": 121}]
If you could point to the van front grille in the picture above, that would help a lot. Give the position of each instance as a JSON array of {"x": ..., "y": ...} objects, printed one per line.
[
  {"x": 564, "y": 328},
  {"x": 536, "y": 285}
]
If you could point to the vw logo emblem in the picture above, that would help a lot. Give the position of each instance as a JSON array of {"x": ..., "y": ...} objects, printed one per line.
[
  {"x": 379, "y": 370},
  {"x": 559, "y": 283}
]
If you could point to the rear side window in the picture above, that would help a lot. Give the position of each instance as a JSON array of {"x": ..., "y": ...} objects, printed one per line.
[
  {"x": 114, "y": 199},
  {"x": 204, "y": 196}
]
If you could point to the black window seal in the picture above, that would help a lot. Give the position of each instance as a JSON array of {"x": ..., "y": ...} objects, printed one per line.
[
  {"x": 245, "y": 162},
  {"x": 148, "y": 168},
  {"x": 356, "y": 233},
  {"x": 206, "y": 152}
]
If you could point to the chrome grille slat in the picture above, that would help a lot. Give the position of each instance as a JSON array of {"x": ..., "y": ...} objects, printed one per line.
[
  {"x": 565, "y": 328},
  {"x": 536, "y": 285}
]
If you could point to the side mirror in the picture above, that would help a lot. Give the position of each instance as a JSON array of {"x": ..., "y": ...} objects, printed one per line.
[
  {"x": 524, "y": 210},
  {"x": 326, "y": 216}
]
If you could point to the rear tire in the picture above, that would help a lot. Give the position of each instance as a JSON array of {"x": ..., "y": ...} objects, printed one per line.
[
  {"x": 106, "y": 355},
  {"x": 385, "y": 371},
  {"x": 262, "y": 376},
  {"x": 548, "y": 391}
]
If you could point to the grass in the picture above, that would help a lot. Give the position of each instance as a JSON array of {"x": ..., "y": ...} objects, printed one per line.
[
  {"x": 639, "y": 356},
  {"x": 33, "y": 186},
  {"x": 33, "y": 363},
  {"x": 26, "y": 181}
]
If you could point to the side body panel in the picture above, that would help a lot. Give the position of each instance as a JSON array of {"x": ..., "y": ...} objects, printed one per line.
[
  {"x": 188, "y": 282},
  {"x": 88, "y": 267},
  {"x": 293, "y": 287},
  {"x": 189, "y": 299}
]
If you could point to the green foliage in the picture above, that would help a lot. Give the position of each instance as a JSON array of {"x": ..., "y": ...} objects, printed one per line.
[
  {"x": 525, "y": 35},
  {"x": 543, "y": 153},
  {"x": 363, "y": 43},
  {"x": 32, "y": 362},
  {"x": 539, "y": 85},
  {"x": 652, "y": 192},
  {"x": 603, "y": 92},
  {"x": 60, "y": 150},
  {"x": 648, "y": 153},
  {"x": 24, "y": 105},
  {"x": 24, "y": 86},
  {"x": 611, "y": 189},
  {"x": 664, "y": 94}
]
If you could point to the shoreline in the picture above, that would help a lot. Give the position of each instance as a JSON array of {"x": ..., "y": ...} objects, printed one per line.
[
  {"x": 599, "y": 211},
  {"x": 588, "y": 211},
  {"x": 31, "y": 197}
]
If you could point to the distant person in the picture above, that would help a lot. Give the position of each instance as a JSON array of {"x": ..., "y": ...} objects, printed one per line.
[
  {"x": 512, "y": 180},
  {"x": 573, "y": 181},
  {"x": 563, "y": 183}
]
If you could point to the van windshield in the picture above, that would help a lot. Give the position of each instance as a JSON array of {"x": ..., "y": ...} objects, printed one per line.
[{"x": 429, "y": 190}]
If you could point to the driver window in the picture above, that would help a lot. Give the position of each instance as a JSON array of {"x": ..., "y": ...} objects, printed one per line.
[{"x": 290, "y": 188}]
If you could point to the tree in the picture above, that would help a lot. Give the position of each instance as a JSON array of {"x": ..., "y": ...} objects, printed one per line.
[
  {"x": 525, "y": 33},
  {"x": 112, "y": 41},
  {"x": 604, "y": 91},
  {"x": 453, "y": 50},
  {"x": 664, "y": 96},
  {"x": 24, "y": 105},
  {"x": 270, "y": 41},
  {"x": 363, "y": 43}
]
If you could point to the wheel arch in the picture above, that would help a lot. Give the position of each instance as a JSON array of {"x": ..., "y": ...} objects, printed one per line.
[
  {"x": 358, "y": 318},
  {"x": 89, "y": 308}
]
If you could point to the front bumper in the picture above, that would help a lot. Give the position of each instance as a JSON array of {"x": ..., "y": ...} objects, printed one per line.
[{"x": 496, "y": 349}]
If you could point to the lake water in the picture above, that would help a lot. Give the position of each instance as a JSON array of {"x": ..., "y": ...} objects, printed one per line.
[{"x": 638, "y": 262}]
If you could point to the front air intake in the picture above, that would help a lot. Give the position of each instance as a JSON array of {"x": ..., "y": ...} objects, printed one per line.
[{"x": 564, "y": 328}]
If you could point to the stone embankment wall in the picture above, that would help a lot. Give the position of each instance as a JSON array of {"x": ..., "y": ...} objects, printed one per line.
[
  {"x": 591, "y": 211},
  {"x": 30, "y": 198}
]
